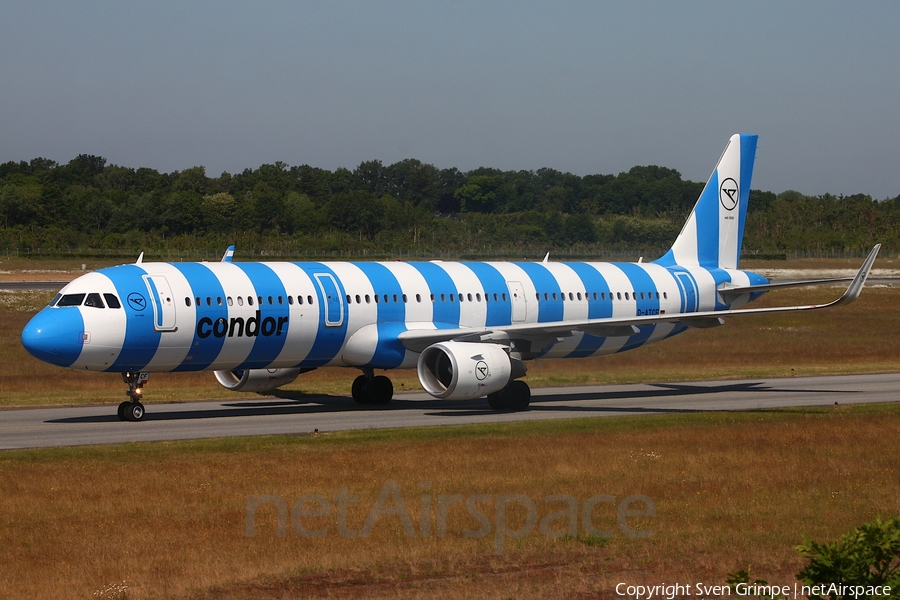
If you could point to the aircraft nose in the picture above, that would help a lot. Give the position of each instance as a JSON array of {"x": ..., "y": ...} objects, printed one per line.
[{"x": 55, "y": 335}]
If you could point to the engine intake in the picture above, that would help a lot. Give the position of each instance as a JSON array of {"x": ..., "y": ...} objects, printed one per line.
[
  {"x": 459, "y": 370},
  {"x": 256, "y": 380}
]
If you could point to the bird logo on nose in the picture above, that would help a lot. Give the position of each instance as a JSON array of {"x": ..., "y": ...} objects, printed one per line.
[{"x": 136, "y": 301}]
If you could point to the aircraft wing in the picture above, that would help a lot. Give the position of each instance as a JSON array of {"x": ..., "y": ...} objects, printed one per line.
[{"x": 543, "y": 334}]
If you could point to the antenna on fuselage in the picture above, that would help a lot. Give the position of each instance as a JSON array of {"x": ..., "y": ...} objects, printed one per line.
[
  {"x": 140, "y": 259},
  {"x": 546, "y": 258}
]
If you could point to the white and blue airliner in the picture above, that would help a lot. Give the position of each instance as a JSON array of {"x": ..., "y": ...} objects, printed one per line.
[{"x": 469, "y": 328}]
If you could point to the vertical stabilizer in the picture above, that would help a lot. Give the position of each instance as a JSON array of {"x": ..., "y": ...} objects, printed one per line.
[{"x": 714, "y": 231}]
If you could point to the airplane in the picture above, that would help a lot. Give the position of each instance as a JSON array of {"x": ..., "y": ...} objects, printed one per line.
[{"x": 468, "y": 328}]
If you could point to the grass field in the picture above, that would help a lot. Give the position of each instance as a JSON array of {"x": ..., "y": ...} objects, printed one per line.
[{"x": 731, "y": 490}]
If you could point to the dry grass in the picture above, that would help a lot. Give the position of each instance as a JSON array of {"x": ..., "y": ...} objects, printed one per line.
[
  {"x": 852, "y": 339},
  {"x": 731, "y": 490}
]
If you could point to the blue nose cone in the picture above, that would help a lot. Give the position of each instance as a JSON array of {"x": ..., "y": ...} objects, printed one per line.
[{"x": 55, "y": 335}]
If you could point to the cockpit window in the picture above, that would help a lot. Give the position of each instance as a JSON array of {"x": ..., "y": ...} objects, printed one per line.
[
  {"x": 55, "y": 300},
  {"x": 112, "y": 301},
  {"x": 94, "y": 300},
  {"x": 71, "y": 300}
]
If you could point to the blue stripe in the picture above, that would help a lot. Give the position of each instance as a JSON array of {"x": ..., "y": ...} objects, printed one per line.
[
  {"x": 446, "y": 314},
  {"x": 389, "y": 352},
  {"x": 266, "y": 348},
  {"x": 498, "y": 313},
  {"x": 329, "y": 340},
  {"x": 707, "y": 211},
  {"x": 141, "y": 339},
  {"x": 550, "y": 310},
  {"x": 597, "y": 309},
  {"x": 748, "y": 156},
  {"x": 204, "y": 284},
  {"x": 649, "y": 305}
]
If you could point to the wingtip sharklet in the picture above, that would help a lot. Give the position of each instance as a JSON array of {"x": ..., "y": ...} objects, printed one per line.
[{"x": 856, "y": 286}]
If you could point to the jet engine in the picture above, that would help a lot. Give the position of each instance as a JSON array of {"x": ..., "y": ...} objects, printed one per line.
[
  {"x": 459, "y": 370},
  {"x": 256, "y": 380}
]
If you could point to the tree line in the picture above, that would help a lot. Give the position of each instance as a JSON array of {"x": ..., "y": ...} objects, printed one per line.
[{"x": 406, "y": 206}]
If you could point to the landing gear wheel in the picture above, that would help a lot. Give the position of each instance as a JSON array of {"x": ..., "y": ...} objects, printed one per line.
[
  {"x": 515, "y": 396},
  {"x": 360, "y": 390},
  {"x": 134, "y": 411},
  {"x": 518, "y": 395},
  {"x": 381, "y": 390},
  {"x": 495, "y": 400}
]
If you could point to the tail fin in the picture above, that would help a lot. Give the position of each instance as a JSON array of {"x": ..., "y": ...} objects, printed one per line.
[{"x": 714, "y": 231}]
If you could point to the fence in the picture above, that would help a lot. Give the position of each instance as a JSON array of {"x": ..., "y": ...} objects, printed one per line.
[{"x": 527, "y": 254}]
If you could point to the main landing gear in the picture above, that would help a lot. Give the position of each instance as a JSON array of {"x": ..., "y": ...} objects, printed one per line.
[
  {"x": 369, "y": 389},
  {"x": 133, "y": 410},
  {"x": 515, "y": 396}
]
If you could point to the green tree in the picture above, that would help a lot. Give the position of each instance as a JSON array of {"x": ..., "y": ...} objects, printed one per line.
[{"x": 866, "y": 556}]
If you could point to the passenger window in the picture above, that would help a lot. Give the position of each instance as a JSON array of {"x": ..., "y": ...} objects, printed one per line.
[
  {"x": 240, "y": 301},
  {"x": 503, "y": 295},
  {"x": 250, "y": 300},
  {"x": 418, "y": 297},
  {"x": 349, "y": 301},
  {"x": 300, "y": 300},
  {"x": 404, "y": 298},
  {"x": 270, "y": 301},
  {"x": 208, "y": 301},
  {"x": 280, "y": 300},
  {"x": 230, "y": 301},
  {"x": 309, "y": 299},
  {"x": 71, "y": 300},
  {"x": 665, "y": 296},
  {"x": 187, "y": 301},
  {"x": 291, "y": 300},
  {"x": 94, "y": 300},
  {"x": 113, "y": 302}
]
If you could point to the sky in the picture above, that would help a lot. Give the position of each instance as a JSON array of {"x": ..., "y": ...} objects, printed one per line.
[{"x": 578, "y": 86}]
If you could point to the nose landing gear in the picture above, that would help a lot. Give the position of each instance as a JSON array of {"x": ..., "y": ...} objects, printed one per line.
[{"x": 133, "y": 410}]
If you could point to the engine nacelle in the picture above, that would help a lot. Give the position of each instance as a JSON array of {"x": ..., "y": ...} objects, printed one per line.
[
  {"x": 458, "y": 370},
  {"x": 256, "y": 380}
]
